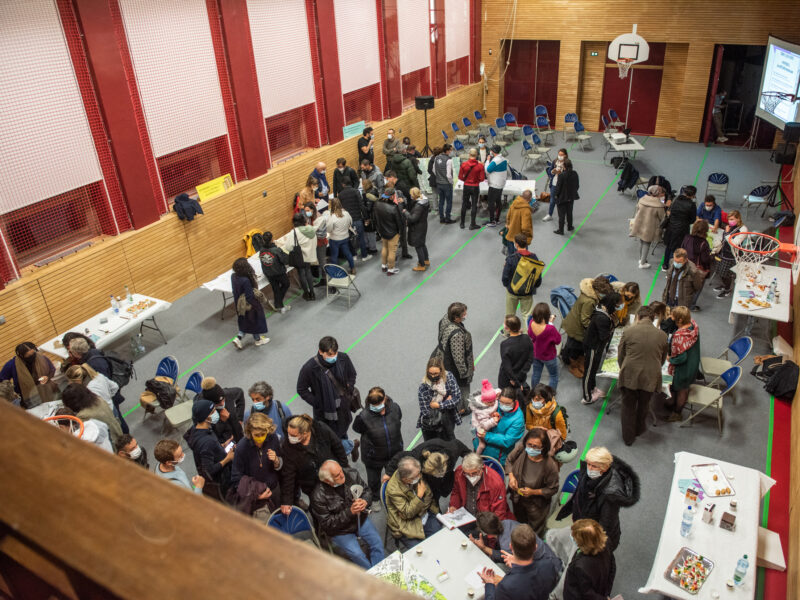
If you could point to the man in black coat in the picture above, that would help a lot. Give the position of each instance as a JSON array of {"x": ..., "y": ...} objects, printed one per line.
[
  {"x": 389, "y": 224},
  {"x": 326, "y": 382},
  {"x": 342, "y": 515},
  {"x": 353, "y": 202},
  {"x": 381, "y": 438},
  {"x": 210, "y": 459},
  {"x": 681, "y": 213},
  {"x": 229, "y": 403},
  {"x": 566, "y": 194},
  {"x": 417, "y": 219},
  {"x": 341, "y": 174}
]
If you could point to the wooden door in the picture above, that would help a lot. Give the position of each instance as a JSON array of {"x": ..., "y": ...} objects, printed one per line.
[{"x": 531, "y": 79}]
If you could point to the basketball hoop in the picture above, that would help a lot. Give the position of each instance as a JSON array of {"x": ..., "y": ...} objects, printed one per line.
[
  {"x": 624, "y": 65},
  {"x": 771, "y": 100},
  {"x": 751, "y": 249},
  {"x": 75, "y": 422}
]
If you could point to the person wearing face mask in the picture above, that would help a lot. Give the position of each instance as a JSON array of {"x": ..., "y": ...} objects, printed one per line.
[
  {"x": 308, "y": 444},
  {"x": 553, "y": 171},
  {"x": 85, "y": 405},
  {"x": 344, "y": 173},
  {"x": 543, "y": 411},
  {"x": 320, "y": 174},
  {"x": 305, "y": 235},
  {"x": 680, "y": 216},
  {"x": 365, "y": 150},
  {"x": 443, "y": 172},
  {"x": 532, "y": 478},
  {"x": 684, "y": 360},
  {"x": 256, "y": 467},
  {"x": 169, "y": 455},
  {"x": 631, "y": 301},
  {"x": 577, "y": 320},
  {"x": 509, "y": 429},
  {"x": 684, "y": 280},
  {"x": 710, "y": 211},
  {"x": 261, "y": 394},
  {"x": 699, "y": 252},
  {"x": 439, "y": 398},
  {"x": 327, "y": 383},
  {"x": 229, "y": 404},
  {"x": 484, "y": 154},
  {"x": 417, "y": 221},
  {"x": 496, "y": 175},
  {"x": 566, "y": 193},
  {"x": 372, "y": 173},
  {"x": 128, "y": 447},
  {"x": 307, "y": 194},
  {"x": 606, "y": 483},
  {"x": 725, "y": 255},
  {"x": 31, "y": 373},
  {"x": 211, "y": 460},
  {"x": 410, "y": 505},
  {"x": 390, "y": 145},
  {"x": 478, "y": 488},
  {"x": 380, "y": 426},
  {"x": 342, "y": 515},
  {"x": 455, "y": 350},
  {"x": 646, "y": 223},
  {"x": 598, "y": 335}
]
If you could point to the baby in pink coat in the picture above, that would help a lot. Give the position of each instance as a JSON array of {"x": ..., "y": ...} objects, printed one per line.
[{"x": 483, "y": 409}]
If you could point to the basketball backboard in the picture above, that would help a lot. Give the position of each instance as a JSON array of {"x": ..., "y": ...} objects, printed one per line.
[{"x": 630, "y": 47}]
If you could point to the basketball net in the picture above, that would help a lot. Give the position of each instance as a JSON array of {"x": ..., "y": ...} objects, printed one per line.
[
  {"x": 750, "y": 249},
  {"x": 771, "y": 100},
  {"x": 624, "y": 65}
]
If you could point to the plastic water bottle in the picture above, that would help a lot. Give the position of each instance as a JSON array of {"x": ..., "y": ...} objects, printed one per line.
[
  {"x": 688, "y": 519},
  {"x": 741, "y": 570},
  {"x": 128, "y": 295},
  {"x": 114, "y": 305}
]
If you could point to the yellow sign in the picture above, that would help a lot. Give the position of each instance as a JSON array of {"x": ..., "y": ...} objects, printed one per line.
[{"x": 214, "y": 187}]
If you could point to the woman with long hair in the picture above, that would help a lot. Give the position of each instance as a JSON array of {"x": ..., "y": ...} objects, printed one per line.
[
  {"x": 307, "y": 194},
  {"x": 253, "y": 320},
  {"x": 319, "y": 222},
  {"x": 32, "y": 375},
  {"x": 439, "y": 398},
  {"x": 339, "y": 224},
  {"x": 87, "y": 406}
]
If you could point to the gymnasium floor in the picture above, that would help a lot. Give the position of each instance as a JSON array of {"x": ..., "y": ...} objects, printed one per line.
[{"x": 390, "y": 332}]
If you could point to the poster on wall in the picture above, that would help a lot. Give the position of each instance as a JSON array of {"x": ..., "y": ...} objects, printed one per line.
[
  {"x": 353, "y": 129},
  {"x": 214, "y": 187}
]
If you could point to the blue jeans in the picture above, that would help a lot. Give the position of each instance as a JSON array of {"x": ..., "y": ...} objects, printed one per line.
[
  {"x": 431, "y": 526},
  {"x": 552, "y": 205},
  {"x": 552, "y": 370},
  {"x": 342, "y": 246},
  {"x": 348, "y": 543},
  {"x": 361, "y": 237},
  {"x": 445, "y": 198},
  {"x": 348, "y": 445},
  {"x": 121, "y": 419}
]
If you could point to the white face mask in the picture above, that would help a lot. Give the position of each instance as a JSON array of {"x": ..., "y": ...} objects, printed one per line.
[
  {"x": 537, "y": 405},
  {"x": 415, "y": 481},
  {"x": 179, "y": 461},
  {"x": 593, "y": 473},
  {"x": 135, "y": 453},
  {"x": 390, "y": 136},
  {"x": 294, "y": 439},
  {"x": 473, "y": 479}
]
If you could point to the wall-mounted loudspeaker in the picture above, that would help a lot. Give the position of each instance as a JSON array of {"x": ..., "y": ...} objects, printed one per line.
[
  {"x": 423, "y": 102},
  {"x": 791, "y": 132}
]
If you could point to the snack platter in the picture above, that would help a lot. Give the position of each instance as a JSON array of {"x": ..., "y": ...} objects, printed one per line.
[
  {"x": 135, "y": 309},
  {"x": 688, "y": 570},
  {"x": 714, "y": 482},
  {"x": 753, "y": 303}
]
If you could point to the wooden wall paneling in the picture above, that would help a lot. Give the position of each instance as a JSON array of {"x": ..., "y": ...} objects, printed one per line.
[
  {"x": 695, "y": 85},
  {"x": 669, "y": 103},
  {"x": 79, "y": 287},
  {"x": 27, "y": 317},
  {"x": 159, "y": 259},
  {"x": 215, "y": 239},
  {"x": 271, "y": 213},
  {"x": 591, "y": 87},
  {"x": 569, "y": 64}
]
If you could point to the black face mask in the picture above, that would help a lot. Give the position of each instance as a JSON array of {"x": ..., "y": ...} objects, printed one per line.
[{"x": 434, "y": 379}]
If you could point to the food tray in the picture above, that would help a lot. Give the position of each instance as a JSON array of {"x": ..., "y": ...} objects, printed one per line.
[
  {"x": 705, "y": 473},
  {"x": 679, "y": 559}
]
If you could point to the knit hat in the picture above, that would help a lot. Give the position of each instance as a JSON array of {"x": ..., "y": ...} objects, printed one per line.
[
  {"x": 488, "y": 395},
  {"x": 201, "y": 409},
  {"x": 496, "y": 149},
  {"x": 211, "y": 391},
  {"x": 388, "y": 192}
]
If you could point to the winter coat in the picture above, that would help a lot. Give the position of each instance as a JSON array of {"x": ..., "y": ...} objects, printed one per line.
[
  {"x": 590, "y": 577},
  {"x": 388, "y": 220},
  {"x": 339, "y": 177},
  {"x": 567, "y": 187},
  {"x": 519, "y": 219},
  {"x": 273, "y": 261},
  {"x": 381, "y": 435},
  {"x": 516, "y": 357},
  {"x": 455, "y": 347},
  {"x": 315, "y": 387},
  {"x": 600, "y": 499},
  {"x": 417, "y": 220},
  {"x": 545, "y": 478},
  {"x": 699, "y": 251},
  {"x": 686, "y": 364},
  {"x": 404, "y": 168},
  {"x": 501, "y": 440},
  {"x": 353, "y": 202},
  {"x": 497, "y": 172},
  {"x": 600, "y": 330},
  {"x": 186, "y": 207},
  {"x": 339, "y": 227},
  {"x": 98, "y": 361},
  {"x": 306, "y": 237},
  {"x": 440, "y": 486},
  {"x": 543, "y": 417},
  {"x": 331, "y": 505},
  {"x": 254, "y": 320},
  {"x": 375, "y": 176},
  {"x": 324, "y": 187},
  {"x": 491, "y": 493},
  {"x": 650, "y": 213},
  {"x": 208, "y": 454},
  {"x": 404, "y": 509},
  {"x": 426, "y": 393},
  {"x": 471, "y": 173},
  {"x": 578, "y": 317},
  {"x": 510, "y": 266},
  {"x": 642, "y": 350},
  {"x": 528, "y": 582},
  {"x": 682, "y": 213},
  {"x": 250, "y": 460},
  {"x": 481, "y": 417},
  {"x": 300, "y": 470},
  {"x": 684, "y": 282}
]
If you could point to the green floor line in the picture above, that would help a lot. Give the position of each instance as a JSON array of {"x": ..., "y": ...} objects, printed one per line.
[
  {"x": 705, "y": 156},
  {"x": 487, "y": 346},
  {"x": 599, "y": 418},
  {"x": 653, "y": 283},
  {"x": 761, "y": 574},
  {"x": 414, "y": 441}
]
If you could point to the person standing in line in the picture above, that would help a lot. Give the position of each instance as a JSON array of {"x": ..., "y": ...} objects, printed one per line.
[
  {"x": 532, "y": 478},
  {"x": 211, "y": 460},
  {"x": 402, "y": 193},
  {"x": 372, "y": 173},
  {"x": 344, "y": 173},
  {"x": 577, "y": 320},
  {"x": 390, "y": 145},
  {"x": 353, "y": 203},
  {"x": 646, "y": 223},
  {"x": 472, "y": 174},
  {"x": 273, "y": 265},
  {"x": 365, "y": 146},
  {"x": 642, "y": 351},
  {"x": 524, "y": 301},
  {"x": 255, "y": 477},
  {"x": 388, "y": 224},
  {"x": 484, "y": 154},
  {"x": 590, "y": 574},
  {"x": 680, "y": 216},
  {"x": 303, "y": 235},
  {"x": 684, "y": 360},
  {"x": 439, "y": 400},
  {"x": 566, "y": 194},
  {"x": 497, "y": 175},
  {"x": 699, "y": 252},
  {"x": 443, "y": 171},
  {"x": 455, "y": 349},
  {"x": 553, "y": 172},
  {"x": 252, "y": 320},
  {"x": 262, "y": 395},
  {"x": 519, "y": 219},
  {"x": 170, "y": 455},
  {"x": 516, "y": 355},
  {"x": 324, "y": 189},
  {"x": 684, "y": 280},
  {"x": 546, "y": 338},
  {"x": 598, "y": 335},
  {"x": 417, "y": 220},
  {"x": 725, "y": 255},
  {"x": 339, "y": 223}
]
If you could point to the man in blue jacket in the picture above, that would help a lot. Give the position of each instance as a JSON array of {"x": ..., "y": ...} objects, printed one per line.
[
  {"x": 319, "y": 173},
  {"x": 496, "y": 175},
  {"x": 529, "y": 577}
]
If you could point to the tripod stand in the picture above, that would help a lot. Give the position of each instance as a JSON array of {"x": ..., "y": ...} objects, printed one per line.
[{"x": 426, "y": 151}]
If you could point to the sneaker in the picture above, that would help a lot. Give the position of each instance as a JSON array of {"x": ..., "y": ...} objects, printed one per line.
[
  {"x": 391, "y": 272},
  {"x": 722, "y": 139},
  {"x": 547, "y": 218},
  {"x": 724, "y": 294},
  {"x": 491, "y": 224},
  {"x": 587, "y": 401},
  {"x": 262, "y": 341},
  {"x": 237, "y": 341},
  {"x": 419, "y": 268},
  {"x": 644, "y": 265},
  {"x": 383, "y": 268},
  {"x": 285, "y": 309},
  {"x": 597, "y": 393},
  {"x": 696, "y": 308},
  {"x": 719, "y": 288},
  {"x": 366, "y": 258}
]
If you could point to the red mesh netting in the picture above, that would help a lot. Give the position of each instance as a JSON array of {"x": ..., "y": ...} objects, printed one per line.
[{"x": 416, "y": 83}]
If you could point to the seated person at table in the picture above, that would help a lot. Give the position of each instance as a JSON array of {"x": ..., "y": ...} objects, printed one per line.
[
  {"x": 341, "y": 516},
  {"x": 710, "y": 211},
  {"x": 530, "y": 577},
  {"x": 493, "y": 537},
  {"x": 532, "y": 478},
  {"x": 479, "y": 488},
  {"x": 32, "y": 374},
  {"x": 409, "y": 503}
]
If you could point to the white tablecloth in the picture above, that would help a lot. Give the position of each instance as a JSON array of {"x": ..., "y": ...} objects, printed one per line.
[
  {"x": 609, "y": 368},
  {"x": 779, "y": 311},
  {"x": 222, "y": 283},
  {"x": 724, "y": 548},
  {"x": 117, "y": 327}
]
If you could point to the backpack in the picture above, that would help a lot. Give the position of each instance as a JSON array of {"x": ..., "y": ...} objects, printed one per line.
[
  {"x": 562, "y": 298},
  {"x": 121, "y": 370},
  {"x": 783, "y": 383},
  {"x": 249, "y": 249},
  {"x": 563, "y": 411},
  {"x": 165, "y": 393},
  {"x": 514, "y": 173},
  {"x": 527, "y": 276}
]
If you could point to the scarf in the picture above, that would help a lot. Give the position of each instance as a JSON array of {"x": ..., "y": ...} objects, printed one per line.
[
  {"x": 29, "y": 382},
  {"x": 439, "y": 388},
  {"x": 682, "y": 340},
  {"x": 331, "y": 390}
]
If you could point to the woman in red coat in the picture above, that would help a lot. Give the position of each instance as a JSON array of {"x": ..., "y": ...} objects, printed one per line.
[{"x": 479, "y": 488}]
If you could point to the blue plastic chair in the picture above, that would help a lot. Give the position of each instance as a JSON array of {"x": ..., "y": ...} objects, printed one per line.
[
  {"x": 615, "y": 121},
  {"x": 569, "y": 121},
  {"x": 457, "y": 133},
  {"x": 193, "y": 384},
  {"x": 540, "y": 147},
  {"x": 168, "y": 367},
  {"x": 494, "y": 465},
  {"x": 717, "y": 186},
  {"x": 444, "y": 135},
  {"x": 543, "y": 127},
  {"x": 582, "y": 136},
  {"x": 472, "y": 132},
  {"x": 758, "y": 196},
  {"x": 527, "y": 131},
  {"x": 461, "y": 151},
  {"x": 296, "y": 524},
  {"x": 499, "y": 142},
  {"x": 540, "y": 110},
  {"x": 715, "y": 367},
  {"x": 607, "y": 127},
  {"x": 339, "y": 279},
  {"x": 509, "y": 119},
  {"x": 529, "y": 156}
]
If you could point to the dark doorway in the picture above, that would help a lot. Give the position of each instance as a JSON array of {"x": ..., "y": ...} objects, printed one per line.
[{"x": 531, "y": 79}]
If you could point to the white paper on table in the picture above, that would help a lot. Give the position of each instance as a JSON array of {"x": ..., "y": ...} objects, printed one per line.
[
  {"x": 457, "y": 518},
  {"x": 473, "y": 579},
  {"x": 766, "y": 482}
]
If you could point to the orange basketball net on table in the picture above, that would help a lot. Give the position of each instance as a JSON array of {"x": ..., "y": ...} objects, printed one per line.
[
  {"x": 75, "y": 422},
  {"x": 624, "y": 65},
  {"x": 751, "y": 248}
]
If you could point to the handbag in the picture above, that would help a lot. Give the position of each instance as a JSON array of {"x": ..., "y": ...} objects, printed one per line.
[
  {"x": 296, "y": 254},
  {"x": 432, "y": 419},
  {"x": 351, "y": 395},
  {"x": 242, "y": 306}
]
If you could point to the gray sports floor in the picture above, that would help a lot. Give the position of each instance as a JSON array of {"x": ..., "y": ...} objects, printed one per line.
[{"x": 391, "y": 330}]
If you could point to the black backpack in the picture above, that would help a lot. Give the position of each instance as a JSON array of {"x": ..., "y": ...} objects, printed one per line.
[
  {"x": 164, "y": 392},
  {"x": 121, "y": 370},
  {"x": 783, "y": 383}
]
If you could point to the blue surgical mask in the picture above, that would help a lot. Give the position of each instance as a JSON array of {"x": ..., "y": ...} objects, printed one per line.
[
  {"x": 620, "y": 306},
  {"x": 258, "y": 405},
  {"x": 330, "y": 359},
  {"x": 533, "y": 451},
  {"x": 377, "y": 407},
  {"x": 537, "y": 405},
  {"x": 214, "y": 416},
  {"x": 504, "y": 408},
  {"x": 678, "y": 265},
  {"x": 309, "y": 214},
  {"x": 593, "y": 473}
]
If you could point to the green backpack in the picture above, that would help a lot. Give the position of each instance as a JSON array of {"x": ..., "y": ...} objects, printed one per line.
[{"x": 527, "y": 276}]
